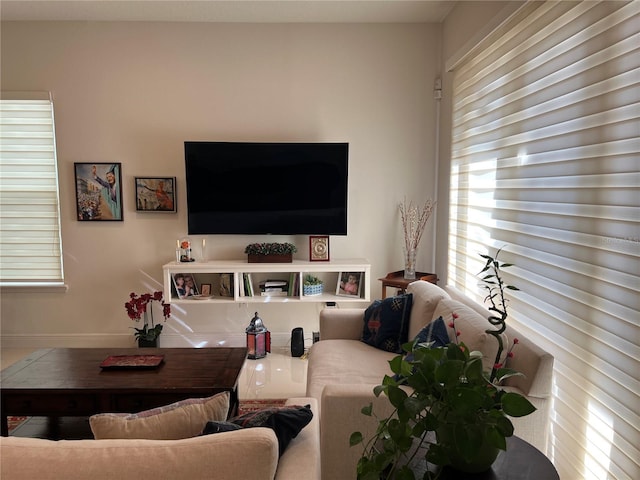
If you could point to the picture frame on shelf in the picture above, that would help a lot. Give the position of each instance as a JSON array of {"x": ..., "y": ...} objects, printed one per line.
[
  {"x": 156, "y": 194},
  {"x": 98, "y": 191},
  {"x": 226, "y": 285},
  {"x": 185, "y": 285},
  {"x": 319, "y": 248},
  {"x": 349, "y": 284},
  {"x": 205, "y": 289}
]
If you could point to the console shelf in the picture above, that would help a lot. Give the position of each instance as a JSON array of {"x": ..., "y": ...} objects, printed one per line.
[{"x": 236, "y": 274}]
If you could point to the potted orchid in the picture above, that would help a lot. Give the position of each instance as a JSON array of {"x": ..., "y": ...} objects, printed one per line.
[{"x": 141, "y": 307}]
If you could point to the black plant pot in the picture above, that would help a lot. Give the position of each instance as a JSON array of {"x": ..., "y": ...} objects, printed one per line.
[{"x": 143, "y": 343}]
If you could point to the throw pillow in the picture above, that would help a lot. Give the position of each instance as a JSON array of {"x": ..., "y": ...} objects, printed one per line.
[
  {"x": 435, "y": 332},
  {"x": 286, "y": 421},
  {"x": 219, "y": 427},
  {"x": 183, "y": 419},
  {"x": 386, "y": 323}
]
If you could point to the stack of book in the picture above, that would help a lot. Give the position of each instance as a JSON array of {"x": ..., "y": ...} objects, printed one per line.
[{"x": 274, "y": 288}]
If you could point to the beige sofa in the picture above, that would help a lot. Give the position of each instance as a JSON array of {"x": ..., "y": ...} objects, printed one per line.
[
  {"x": 343, "y": 371},
  {"x": 248, "y": 454}
]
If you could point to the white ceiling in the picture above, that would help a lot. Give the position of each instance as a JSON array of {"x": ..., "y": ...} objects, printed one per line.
[{"x": 322, "y": 11}]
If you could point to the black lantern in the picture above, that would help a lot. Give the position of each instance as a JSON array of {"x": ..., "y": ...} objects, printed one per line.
[{"x": 258, "y": 339}]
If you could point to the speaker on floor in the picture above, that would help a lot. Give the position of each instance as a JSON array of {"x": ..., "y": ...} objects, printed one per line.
[{"x": 297, "y": 342}]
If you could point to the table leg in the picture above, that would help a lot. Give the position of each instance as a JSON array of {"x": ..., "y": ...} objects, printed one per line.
[{"x": 53, "y": 428}]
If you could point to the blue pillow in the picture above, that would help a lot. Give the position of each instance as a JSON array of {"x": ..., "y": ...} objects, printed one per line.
[
  {"x": 436, "y": 332},
  {"x": 386, "y": 323}
]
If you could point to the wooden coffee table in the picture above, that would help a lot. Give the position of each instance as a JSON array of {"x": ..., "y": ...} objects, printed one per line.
[{"x": 67, "y": 382}]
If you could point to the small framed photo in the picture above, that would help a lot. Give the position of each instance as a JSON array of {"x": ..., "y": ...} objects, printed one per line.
[
  {"x": 349, "y": 284},
  {"x": 98, "y": 191},
  {"x": 185, "y": 285},
  {"x": 319, "y": 248},
  {"x": 205, "y": 289},
  {"x": 156, "y": 194}
]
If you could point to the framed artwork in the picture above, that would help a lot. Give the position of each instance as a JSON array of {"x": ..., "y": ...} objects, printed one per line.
[
  {"x": 205, "y": 288},
  {"x": 185, "y": 285},
  {"x": 98, "y": 191},
  {"x": 319, "y": 248},
  {"x": 155, "y": 194},
  {"x": 349, "y": 284}
]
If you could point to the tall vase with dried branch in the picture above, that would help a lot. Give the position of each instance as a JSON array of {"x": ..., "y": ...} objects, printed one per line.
[{"x": 414, "y": 220}]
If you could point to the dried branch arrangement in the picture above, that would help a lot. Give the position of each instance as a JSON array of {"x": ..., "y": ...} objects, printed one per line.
[{"x": 414, "y": 219}]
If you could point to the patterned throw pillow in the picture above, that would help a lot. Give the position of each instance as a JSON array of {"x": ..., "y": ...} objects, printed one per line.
[
  {"x": 435, "y": 332},
  {"x": 286, "y": 421},
  {"x": 183, "y": 419},
  {"x": 386, "y": 323}
]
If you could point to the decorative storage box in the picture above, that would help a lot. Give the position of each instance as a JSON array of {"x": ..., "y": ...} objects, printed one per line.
[{"x": 309, "y": 290}]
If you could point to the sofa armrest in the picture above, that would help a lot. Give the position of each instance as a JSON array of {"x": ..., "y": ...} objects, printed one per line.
[
  {"x": 535, "y": 364},
  {"x": 341, "y": 407},
  {"x": 341, "y": 323},
  {"x": 248, "y": 454}
]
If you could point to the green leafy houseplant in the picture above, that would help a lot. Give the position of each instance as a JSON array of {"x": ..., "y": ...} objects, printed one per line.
[
  {"x": 139, "y": 307},
  {"x": 447, "y": 410},
  {"x": 310, "y": 280}
]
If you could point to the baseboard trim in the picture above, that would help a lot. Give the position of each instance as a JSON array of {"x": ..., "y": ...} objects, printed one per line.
[{"x": 120, "y": 340}]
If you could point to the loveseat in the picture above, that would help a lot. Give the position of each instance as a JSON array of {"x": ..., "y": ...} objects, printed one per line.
[
  {"x": 343, "y": 370},
  {"x": 248, "y": 454}
]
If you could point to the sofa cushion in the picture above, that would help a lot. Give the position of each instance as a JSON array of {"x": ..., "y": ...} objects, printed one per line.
[
  {"x": 386, "y": 323},
  {"x": 426, "y": 296},
  {"x": 471, "y": 326},
  {"x": 285, "y": 421},
  {"x": 347, "y": 362},
  {"x": 182, "y": 419}
]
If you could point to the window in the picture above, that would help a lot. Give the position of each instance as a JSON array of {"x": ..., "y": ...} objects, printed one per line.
[
  {"x": 30, "y": 241},
  {"x": 545, "y": 163}
]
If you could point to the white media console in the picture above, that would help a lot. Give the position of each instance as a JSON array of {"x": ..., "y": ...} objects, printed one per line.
[{"x": 239, "y": 281}]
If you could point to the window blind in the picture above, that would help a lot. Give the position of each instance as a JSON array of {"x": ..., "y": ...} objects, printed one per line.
[
  {"x": 546, "y": 163},
  {"x": 30, "y": 241}
]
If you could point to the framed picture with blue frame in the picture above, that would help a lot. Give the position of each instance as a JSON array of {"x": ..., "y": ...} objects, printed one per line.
[{"x": 98, "y": 191}]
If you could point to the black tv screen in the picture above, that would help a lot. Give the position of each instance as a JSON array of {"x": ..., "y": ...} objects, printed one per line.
[{"x": 267, "y": 188}]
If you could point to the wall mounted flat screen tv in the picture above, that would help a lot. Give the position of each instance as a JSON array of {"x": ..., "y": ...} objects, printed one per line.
[{"x": 267, "y": 188}]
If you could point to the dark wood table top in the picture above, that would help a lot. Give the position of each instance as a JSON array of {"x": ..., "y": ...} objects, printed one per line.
[
  {"x": 61, "y": 382},
  {"x": 67, "y": 369}
]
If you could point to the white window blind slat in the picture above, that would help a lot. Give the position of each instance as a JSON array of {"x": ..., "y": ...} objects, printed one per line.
[
  {"x": 30, "y": 240},
  {"x": 545, "y": 149}
]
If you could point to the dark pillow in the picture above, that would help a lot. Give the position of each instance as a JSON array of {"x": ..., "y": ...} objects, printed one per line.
[
  {"x": 386, "y": 323},
  {"x": 286, "y": 422},
  {"x": 219, "y": 427},
  {"x": 435, "y": 332}
]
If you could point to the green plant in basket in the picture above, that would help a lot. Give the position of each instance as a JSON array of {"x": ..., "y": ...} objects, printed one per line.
[
  {"x": 447, "y": 410},
  {"x": 310, "y": 280}
]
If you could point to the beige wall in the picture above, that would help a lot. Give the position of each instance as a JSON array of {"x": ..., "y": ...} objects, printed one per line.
[{"x": 134, "y": 92}]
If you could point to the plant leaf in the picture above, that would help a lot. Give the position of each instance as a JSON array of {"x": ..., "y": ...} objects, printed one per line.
[
  {"x": 355, "y": 438},
  {"x": 516, "y": 405}
]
